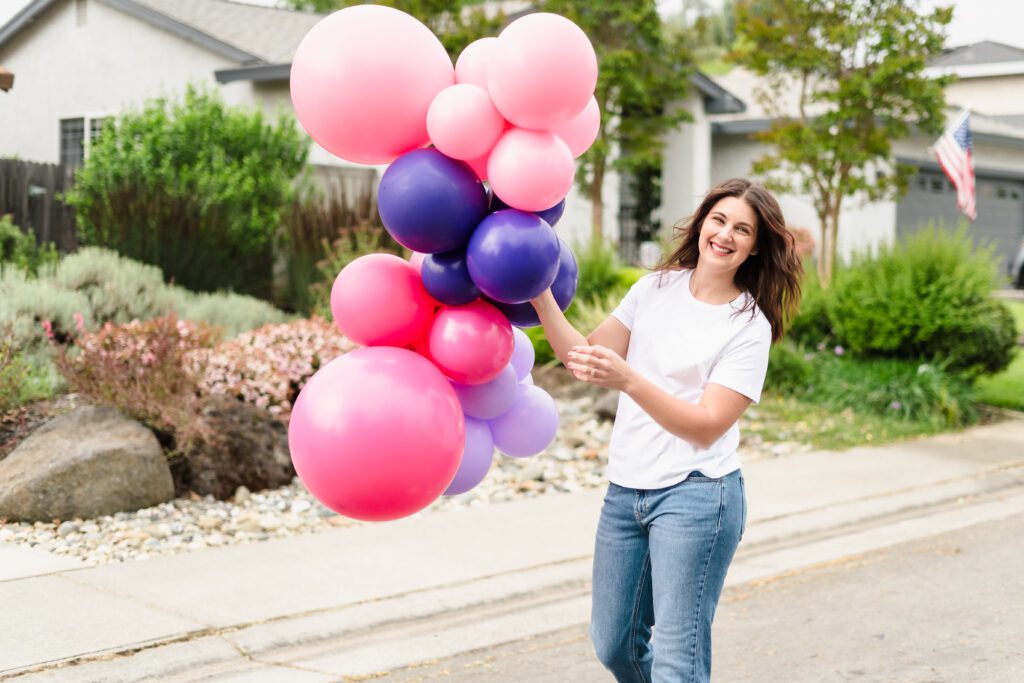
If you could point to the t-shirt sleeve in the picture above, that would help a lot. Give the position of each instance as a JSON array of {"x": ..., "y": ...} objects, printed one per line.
[
  {"x": 625, "y": 312},
  {"x": 744, "y": 361}
]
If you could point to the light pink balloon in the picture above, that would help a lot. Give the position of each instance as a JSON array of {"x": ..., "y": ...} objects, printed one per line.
[
  {"x": 362, "y": 80},
  {"x": 379, "y": 300},
  {"x": 463, "y": 122},
  {"x": 580, "y": 131},
  {"x": 471, "y": 66},
  {"x": 377, "y": 434},
  {"x": 542, "y": 72},
  {"x": 471, "y": 344},
  {"x": 530, "y": 170},
  {"x": 416, "y": 260}
]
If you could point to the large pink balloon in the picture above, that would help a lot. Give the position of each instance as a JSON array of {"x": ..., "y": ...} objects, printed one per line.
[
  {"x": 379, "y": 300},
  {"x": 580, "y": 131},
  {"x": 377, "y": 434},
  {"x": 530, "y": 170},
  {"x": 471, "y": 66},
  {"x": 542, "y": 71},
  {"x": 471, "y": 344},
  {"x": 362, "y": 80},
  {"x": 463, "y": 122}
]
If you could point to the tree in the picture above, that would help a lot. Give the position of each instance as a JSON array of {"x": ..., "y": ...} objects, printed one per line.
[{"x": 855, "y": 70}]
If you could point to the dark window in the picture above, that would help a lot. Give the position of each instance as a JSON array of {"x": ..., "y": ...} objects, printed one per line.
[
  {"x": 937, "y": 185},
  {"x": 95, "y": 126},
  {"x": 72, "y": 137}
]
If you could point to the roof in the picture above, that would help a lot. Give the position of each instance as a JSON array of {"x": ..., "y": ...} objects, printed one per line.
[
  {"x": 247, "y": 34},
  {"x": 985, "y": 52}
]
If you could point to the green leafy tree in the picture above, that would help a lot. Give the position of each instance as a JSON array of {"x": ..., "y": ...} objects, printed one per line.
[
  {"x": 194, "y": 187},
  {"x": 845, "y": 78}
]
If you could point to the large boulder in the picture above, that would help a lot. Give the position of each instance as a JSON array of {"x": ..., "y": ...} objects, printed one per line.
[
  {"x": 247, "y": 447},
  {"x": 90, "y": 462}
]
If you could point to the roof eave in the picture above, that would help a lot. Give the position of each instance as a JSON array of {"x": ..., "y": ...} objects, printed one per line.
[
  {"x": 260, "y": 73},
  {"x": 717, "y": 100},
  {"x": 22, "y": 19}
]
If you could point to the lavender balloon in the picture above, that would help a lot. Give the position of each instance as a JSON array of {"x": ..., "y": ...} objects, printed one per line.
[
  {"x": 490, "y": 399},
  {"x": 513, "y": 256},
  {"x": 529, "y": 426},
  {"x": 476, "y": 458},
  {"x": 523, "y": 355}
]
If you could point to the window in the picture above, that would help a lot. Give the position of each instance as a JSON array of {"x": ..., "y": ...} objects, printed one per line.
[
  {"x": 72, "y": 141},
  {"x": 96, "y": 125}
]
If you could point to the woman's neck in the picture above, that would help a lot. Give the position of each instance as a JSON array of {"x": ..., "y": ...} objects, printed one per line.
[{"x": 713, "y": 287}]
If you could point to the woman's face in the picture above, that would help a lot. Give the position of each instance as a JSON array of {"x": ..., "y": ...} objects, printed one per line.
[{"x": 728, "y": 235}]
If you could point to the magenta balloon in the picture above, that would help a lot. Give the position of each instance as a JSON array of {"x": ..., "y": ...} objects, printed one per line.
[
  {"x": 523, "y": 354},
  {"x": 471, "y": 66},
  {"x": 580, "y": 131},
  {"x": 471, "y": 344},
  {"x": 377, "y": 434},
  {"x": 362, "y": 80},
  {"x": 476, "y": 458},
  {"x": 379, "y": 300},
  {"x": 463, "y": 122},
  {"x": 542, "y": 71},
  {"x": 531, "y": 170},
  {"x": 529, "y": 426},
  {"x": 490, "y": 399}
]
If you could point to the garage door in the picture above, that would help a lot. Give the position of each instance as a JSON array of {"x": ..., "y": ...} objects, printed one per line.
[{"x": 931, "y": 197}]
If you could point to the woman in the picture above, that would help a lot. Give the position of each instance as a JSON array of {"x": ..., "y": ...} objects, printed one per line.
[{"x": 688, "y": 350}]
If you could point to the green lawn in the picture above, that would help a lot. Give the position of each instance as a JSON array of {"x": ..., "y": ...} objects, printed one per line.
[{"x": 1006, "y": 389}]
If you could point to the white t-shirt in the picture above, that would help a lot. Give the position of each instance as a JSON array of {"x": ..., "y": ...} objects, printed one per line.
[{"x": 681, "y": 344}]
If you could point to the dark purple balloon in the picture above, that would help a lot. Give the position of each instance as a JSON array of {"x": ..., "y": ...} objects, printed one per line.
[
  {"x": 447, "y": 279},
  {"x": 564, "y": 289},
  {"x": 550, "y": 216},
  {"x": 429, "y": 202},
  {"x": 513, "y": 256}
]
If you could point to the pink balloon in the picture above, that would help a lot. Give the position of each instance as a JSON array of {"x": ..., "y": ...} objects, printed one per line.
[
  {"x": 362, "y": 80},
  {"x": 416, "y": 260},
  {"x": 530, "y": 170},
  {"x": 463, "y": 122},
  {"x": 580, "y": 131},
  {"x": 542, "y": 71},
  {"x": 471, "y": 66},
  {"x": 471, "y": 344},
  {"x": 479, "y": 165},
  {"x": 379, "y": 300},
  {"x": 377, "y": 434}
]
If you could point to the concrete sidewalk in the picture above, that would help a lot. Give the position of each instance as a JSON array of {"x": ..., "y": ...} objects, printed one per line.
[{"x": 243, "y": 605}]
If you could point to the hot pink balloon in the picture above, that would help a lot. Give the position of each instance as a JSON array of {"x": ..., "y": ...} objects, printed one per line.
[
  {"x": 463, "y": 122},
  {"x": 580, "y": 131},
  {"x": 379, "y": 300},
  {"x": 377, "y": 434},
  {"x": 471, "y": 344},
  {"x": 471, "y": 66},
  {"x": 479, "y": 165},
  {"x": 542, "y": 71},
  {"x": 530, "y": 170},
  {"x": 362, "y": 80}
]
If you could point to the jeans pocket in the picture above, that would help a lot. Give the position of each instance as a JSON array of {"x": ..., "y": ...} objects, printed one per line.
[
  {"x": 699, "y": 478},
  {"x": 743, "y": 504}
]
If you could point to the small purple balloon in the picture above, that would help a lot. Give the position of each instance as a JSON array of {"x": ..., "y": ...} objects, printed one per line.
[
  {"x": 476, "y": 458},
  {"x": 564, "y": 289},
  {"x": 446, "y": 278},
  {"x": 529, "y": 426},
  {"x": 429, "y": 202},
  {"x": 490, "y": 399},
  {"x": 513, "y": 256},
  {"x": 550, "y": 216},
  {"x": 523, "y": 355}
]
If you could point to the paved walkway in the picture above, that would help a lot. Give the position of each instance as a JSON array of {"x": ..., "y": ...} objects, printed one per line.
[{"x": 243, "y": 606}]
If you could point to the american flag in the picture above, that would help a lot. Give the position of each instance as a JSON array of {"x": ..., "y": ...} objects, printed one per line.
[{"x": 953, "y": 151}]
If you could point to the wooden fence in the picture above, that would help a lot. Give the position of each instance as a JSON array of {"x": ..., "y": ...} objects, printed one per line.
[{"x": 30, "y": 192}]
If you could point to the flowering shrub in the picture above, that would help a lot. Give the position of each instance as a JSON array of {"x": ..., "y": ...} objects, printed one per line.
[
  {"x": 12, "y": 371},
  {"x": 268, "y": 366},
  {"x": 146, "y": 369}
]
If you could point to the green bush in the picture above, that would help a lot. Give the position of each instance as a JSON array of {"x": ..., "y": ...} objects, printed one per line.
[
  {"x": 12, "y": 372},
  {"x": 26, "y": 302},
  {"x": 927, "y": 297},
  {"x": 193, "y": 187},
  {"x": 811, "y": 325},
  {"x": 117, "y": 289},
  {"x": 599, "y": 270},
  {"x": 790, "y": 369},
  {"x": 233, "y": 313},
  {"x": 19, "y": 248}
]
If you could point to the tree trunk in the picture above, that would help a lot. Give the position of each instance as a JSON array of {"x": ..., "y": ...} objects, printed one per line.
[
  {"x": 597, "y": 202},
  {"x": 822, "y": 248},
  {"x": 833, "y": 241}
]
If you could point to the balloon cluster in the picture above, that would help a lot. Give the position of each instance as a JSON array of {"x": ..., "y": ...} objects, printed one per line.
[{"x": 444, "y": 377}]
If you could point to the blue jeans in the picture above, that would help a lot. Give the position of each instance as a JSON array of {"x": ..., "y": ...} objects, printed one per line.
[{"x": 661, "y": 558}]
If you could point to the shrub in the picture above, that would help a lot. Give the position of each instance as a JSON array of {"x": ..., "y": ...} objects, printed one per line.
[
  {"x": 811, "y": 326},
  {"x": 599, "y": 268},
  {"x": 269, "y": 366},
  {"x": 233, "y": 313},
  {"x": 12, "y": 372},
  {"x": 149, "y": 370},
  {"x": 928, "y": 297},
  {"x": 789, "y": 368},
  {"x": 25, "y": 303},
  {"x": 350, "y": 245},
  {"x": 20, "y": 249},
  {"x": 193, "y": 187},
  {"x": 117, "y": 289}
]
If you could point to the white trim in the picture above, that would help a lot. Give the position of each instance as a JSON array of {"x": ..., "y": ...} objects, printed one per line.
[{"x": 978, "y": 70}]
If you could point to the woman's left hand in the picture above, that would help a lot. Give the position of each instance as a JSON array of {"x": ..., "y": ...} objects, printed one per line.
[{"x": 601, "y": 366}]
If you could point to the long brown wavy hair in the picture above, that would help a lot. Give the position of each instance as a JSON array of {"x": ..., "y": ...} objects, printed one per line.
[{"x": 772, "y": 276}]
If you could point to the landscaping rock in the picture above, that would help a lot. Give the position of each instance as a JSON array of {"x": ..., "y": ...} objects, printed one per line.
[
  {"x": 90, "y": 462},
  {"x": 248, "y": 447}
]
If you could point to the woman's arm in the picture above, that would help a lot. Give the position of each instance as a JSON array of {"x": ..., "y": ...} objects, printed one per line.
[
  {"x": 700, "y": 423},
  {"x": 562, "y": 336}
]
